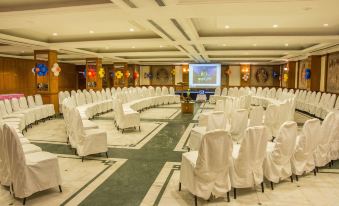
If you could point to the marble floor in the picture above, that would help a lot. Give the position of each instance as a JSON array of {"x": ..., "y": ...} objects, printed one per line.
[{"x": 143, "y": 168}]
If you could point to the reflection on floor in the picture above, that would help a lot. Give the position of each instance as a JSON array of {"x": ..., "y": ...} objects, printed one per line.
[{"x": 145, "y": 167}]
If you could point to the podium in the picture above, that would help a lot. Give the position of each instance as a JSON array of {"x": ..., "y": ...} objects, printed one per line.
[{"x": 187, "y": 107}]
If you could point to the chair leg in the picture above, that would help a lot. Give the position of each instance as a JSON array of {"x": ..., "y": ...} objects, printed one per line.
[
  {"x": 228, "y": 197},
  {"x": 262, "y": 187},
  {"x": 235, "y": 193},
  {"x": 139, "y": 129},
  {"x": 296, "y": 178},
  {"x": 106, "y": 154},
  {"x": 272, "y": 186},
  {"x": 60, "y": 189},
  {"x": 122, "y": 131},
  {"x": 179, "y": 186},
  {"x": 291, "y": 178},
  {"x": 195, "y": 200},
  {"x": 24, "y": 201},
  {"x": 82, "y": 159},
  {"x": 315, "y": 171}
]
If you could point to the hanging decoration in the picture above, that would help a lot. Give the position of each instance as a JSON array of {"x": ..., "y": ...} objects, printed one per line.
[
  {"x": 173, "y": 72},
  {"x": 119, "y": 74},
  {"x": 91, "y": 72},
  {"x": 135, "y": 75},
  {"x": 41, "y": 69},
  {"x": 84, "y": 73},
  {"x": 275, "y": 75},
  {"x": 285, "y": 77},
  {"x": 56, "y": 69},
  {"x": 101, "y": 72},
  {"x": 127, "y": 74},
  {"x": 307, "y": 73},
  {"x": 33, "y": 70},
  {"x": 246, "y": 76},
  {"x": 261, "y": 75}
]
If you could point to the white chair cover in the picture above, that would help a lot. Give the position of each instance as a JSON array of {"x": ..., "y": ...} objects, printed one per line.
[
  {"x": 207, "y": 172},
  {"x": 277, "y": 165}
]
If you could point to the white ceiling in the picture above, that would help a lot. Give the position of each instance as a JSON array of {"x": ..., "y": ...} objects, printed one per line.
[{"x": 170, "y": 31}]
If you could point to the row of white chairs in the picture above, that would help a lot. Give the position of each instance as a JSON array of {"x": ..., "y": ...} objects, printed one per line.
[
  {"x": 83, "y": 135},
  {"x": 220, "y": 164},
  {"x": 24, "y": 167},
  {"x": 316, "y": 103},
  {"x": 23, "y": 112}
]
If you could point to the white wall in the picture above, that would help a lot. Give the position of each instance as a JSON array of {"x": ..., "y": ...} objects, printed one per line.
[
  {"x": 178, "y": 74},
  {"x": 143, "y": 70},
  {"x": 234, "y": 76}
]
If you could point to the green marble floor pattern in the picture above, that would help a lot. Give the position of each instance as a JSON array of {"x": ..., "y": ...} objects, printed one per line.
[{"x": 130, "y": 183}]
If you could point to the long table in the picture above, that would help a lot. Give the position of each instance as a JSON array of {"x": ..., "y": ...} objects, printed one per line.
[{"x": 10, "y": 96}]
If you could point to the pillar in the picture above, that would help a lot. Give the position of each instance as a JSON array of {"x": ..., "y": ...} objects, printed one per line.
[
  {"x": 315, "y": 66},
  {"x": 93, "y": 81},
  {"x": 47, "y": 86},
  {"x": 291, "y": 66}
]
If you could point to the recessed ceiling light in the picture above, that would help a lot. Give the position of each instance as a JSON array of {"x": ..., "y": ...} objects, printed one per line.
[
  {"x": 22, "y": 51},
  {"x": 325, "y": 25},
  {"x": 55, "y": 34},
  {"x": 133, "y": 47},
  {"x": 91, "y": 31},
  {"x": 131, "y": 29},
  {"x": 227, "y": 26},
  {"x": 106, "y": 47},
  {"x": 223, "y": 44},
  {"x": 286, "y": 44},
  {"x": 161, "y": 46},
  {"x": 275, "y": 26},
  {"x": 254, "y": 44}
]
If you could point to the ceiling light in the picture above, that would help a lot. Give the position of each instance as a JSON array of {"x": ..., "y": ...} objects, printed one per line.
[
  {"x": 161, "y": 46},
  {"x": 227, "y": 27},
  {"x": 254, "y": 44},
  {"x": 275, "y": 26},
  {"x": 286, "y": 44},
  {"x": 325, "y": 25},
  {"x": 131, "y": 29},
  {"x": 91, "y": 31},
  {"x": 22, "y": 51},
  {"x": 133, "y": 47},
  {"x": 223, "y": 44},
  {"x": 106, "y": 47},
  {"x": 55, "y": 34},
  {"x": 285, "y": 69}
]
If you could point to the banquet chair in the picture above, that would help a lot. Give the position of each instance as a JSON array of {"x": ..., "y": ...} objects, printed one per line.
[
  {"x": 39, "y": 102},
  {"x": 61, "y": 97},
  {"x": 14, "y": 119},
  {"x": 67, "y": 94},
  {"x": 215, "y": 120},
  {"x": 13, "y": 106},
  {"x": 206, "y": 172},
  {"x": 277, "y": 164},
  {"x": 323, "y": 147},
  {"x": 90, "y": 141},
  {"x": 248, "y": 158},
  {"x": 272, "y": 120},
  {"x": 217, "y": 92},
  {"x": 219, "y": 105},
  {"x": 334, "y": 142},
  {"x": 29, "y": 173},
  {"x": 329, "y": 106},
  {"x": 256, "y": 116},
  {"x": 302, "y": 159},
  {"x": 224, "y": 91},
  {"x": 239, "y": 121},
  {"x": 44, "y": 110},
  {"x": 24, "y": 106},
  {"x": 126, "y": 118}
]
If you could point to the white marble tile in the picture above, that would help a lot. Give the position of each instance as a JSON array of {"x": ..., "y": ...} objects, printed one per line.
[
  {"x": 75, "y": 175},
  {"x": 160, "y": 113},
  {"x": 322, "y": 189}
]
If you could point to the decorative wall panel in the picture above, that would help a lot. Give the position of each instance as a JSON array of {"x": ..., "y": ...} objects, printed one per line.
[{"x": 333, "y": 73}]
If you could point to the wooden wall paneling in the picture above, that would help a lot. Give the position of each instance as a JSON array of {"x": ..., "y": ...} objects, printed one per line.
[
  {"x": 291, "y": 74},
  {"x": 276, "y": 82},
  {"x": 67, "y": 77},
  {"x": 315, "y": 65}
]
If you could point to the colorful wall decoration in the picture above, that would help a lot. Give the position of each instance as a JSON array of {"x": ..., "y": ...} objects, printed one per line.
[
  {"x": 333, "y": 73},
  {"x": 303, "y": 82},
  {"x": 261, "y": 75},
  {"x": 161, "y": 75}
]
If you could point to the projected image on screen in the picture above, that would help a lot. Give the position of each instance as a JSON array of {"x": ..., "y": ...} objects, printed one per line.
[{"x": 204, "y": 75}]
